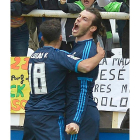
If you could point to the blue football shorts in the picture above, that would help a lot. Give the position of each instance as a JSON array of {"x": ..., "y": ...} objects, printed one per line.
[{"x": 43, "y": 127}]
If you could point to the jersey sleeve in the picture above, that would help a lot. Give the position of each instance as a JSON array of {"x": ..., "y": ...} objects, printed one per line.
[
  {"x": 81, "y": 108},
  {"x": 66, "y": 60}
]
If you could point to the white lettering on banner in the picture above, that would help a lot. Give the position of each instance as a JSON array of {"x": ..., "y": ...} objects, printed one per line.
[{"x": 111, "y": 90}]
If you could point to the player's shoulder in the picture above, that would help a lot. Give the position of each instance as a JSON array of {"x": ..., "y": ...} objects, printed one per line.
[
  {"x": 60, "y": 52},
  {"x": 64, "y": 51},
  {"x": 87, "y": 44},
  {"x": 57, "y": 54},
  {"x": 93, "y": 44},
  {"x": 39, "y": 55}
]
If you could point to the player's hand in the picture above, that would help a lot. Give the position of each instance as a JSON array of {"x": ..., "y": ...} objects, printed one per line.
[
  {"x": 62, "y": 1},
  {"x": 100, "y": 50},
  {"x": 72, "y": 128}
]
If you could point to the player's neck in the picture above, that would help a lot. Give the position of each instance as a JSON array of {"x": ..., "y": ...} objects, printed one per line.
[
  {"x": 84, "y": 37},
  {"x": 53, "y": 44}
]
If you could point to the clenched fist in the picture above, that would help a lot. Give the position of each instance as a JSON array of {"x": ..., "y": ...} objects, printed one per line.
[{"x": 72, "y": 128}]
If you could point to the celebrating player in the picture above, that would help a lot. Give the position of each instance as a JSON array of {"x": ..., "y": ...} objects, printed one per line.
[
  {"x": 81, "y": 112},
  {"x": 47, "y": 70}
]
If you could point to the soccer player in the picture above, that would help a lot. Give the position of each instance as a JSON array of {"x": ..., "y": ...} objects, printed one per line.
[
  {"x": 47, "y": 70},
  {"x": 81, "y": 111},
  {"x": 78, "y": 6}
]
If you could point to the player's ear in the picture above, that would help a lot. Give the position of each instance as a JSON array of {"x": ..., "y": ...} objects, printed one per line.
[
  {"x": 93, "y": 28},
  {"x": 60, "y": 37},
  {"x": 42, "y": 38}
]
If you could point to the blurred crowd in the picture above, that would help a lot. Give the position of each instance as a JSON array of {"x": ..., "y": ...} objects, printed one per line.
[{"x": 25, "y": 32}]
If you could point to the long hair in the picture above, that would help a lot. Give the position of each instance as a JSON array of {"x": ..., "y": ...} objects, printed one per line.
[{"x": 97, "y": 22}]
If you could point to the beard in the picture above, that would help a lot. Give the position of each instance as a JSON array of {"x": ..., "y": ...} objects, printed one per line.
[{"x": 82, "y": 32}]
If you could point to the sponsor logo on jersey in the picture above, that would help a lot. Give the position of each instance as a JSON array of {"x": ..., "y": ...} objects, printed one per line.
[
  {"x": 39, "y": 55},
  {"x": 73, "y": 57}
]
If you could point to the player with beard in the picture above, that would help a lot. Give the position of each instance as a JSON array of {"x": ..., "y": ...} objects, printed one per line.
[
  {"x": 81, "y": 111},
  {"x": 78, "y": 6},
  {"x": 47, "y": 70}
]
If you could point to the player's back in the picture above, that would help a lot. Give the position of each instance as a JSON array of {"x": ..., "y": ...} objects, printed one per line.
[{"x": 46, "y": 78}]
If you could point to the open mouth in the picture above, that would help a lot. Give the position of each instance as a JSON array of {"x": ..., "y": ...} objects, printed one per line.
[
  {"x": 86, "y": 2},
  {"x": 75, "y": 28}
]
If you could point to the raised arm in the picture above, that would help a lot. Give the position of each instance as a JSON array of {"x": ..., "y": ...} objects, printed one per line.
[{"x": 70, "y": 7}]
